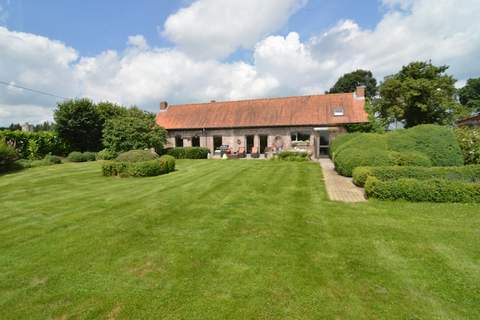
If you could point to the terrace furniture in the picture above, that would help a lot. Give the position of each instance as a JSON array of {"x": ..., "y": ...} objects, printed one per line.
[{"x": 241, "y": 152}]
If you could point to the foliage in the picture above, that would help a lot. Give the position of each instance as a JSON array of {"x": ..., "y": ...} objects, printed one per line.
[
  {"x": 470, "y": 173},
  {"x": 44, "y": 126},
  {"x": 7, "y": 155},
  {"x": 137, "y": 156},
  {"x": 149, "y": 168},
  {"x": 469, "y": 141},
  {"x": 350, "y": 81},
  {"x": 106, "y": 154},
  {"x": 35, "y": 145},
  {"x": 188, "y": 152},
  {"x": 138, "y": 130},
  {"x": 434, "y": 190},
  {"x": 291, "y": 156},
  {"x": 469, "y": 95},
  {"x": 420, "y": 93},
  {"x": 79, "y": 124},
  {"x": 77, "y": 156},
  {"x": 423, "y": 145}
]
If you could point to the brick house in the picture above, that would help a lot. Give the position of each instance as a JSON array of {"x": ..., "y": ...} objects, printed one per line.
[{"x": 267, "y": 125}]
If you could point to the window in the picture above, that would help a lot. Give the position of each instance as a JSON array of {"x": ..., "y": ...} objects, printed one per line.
[
  {"x": 178, "y": 141},
  {"x": 338, "y": 112},
  {"x": 217, "y": 142},
  {"x": 300, "y": 136},
  {"x": 195, "y": 141}
]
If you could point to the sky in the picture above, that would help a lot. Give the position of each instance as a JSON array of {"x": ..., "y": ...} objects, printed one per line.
[{"x": 143, "y": 52}]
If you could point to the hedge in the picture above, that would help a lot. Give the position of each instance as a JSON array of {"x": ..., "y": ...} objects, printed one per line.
[
  {"x": 470, "y": 173},
  {"x": 7, "y": 156},
  {"x": 424, "y": 145},
  {"x": 35, "y": 145},
  {"x": 137, "y": 156},
  {"x": 291, "y": 156},
  {"x": 149, "y": 168},
  {"x": 433, "y": 190},
  {"x": 188, "y": 152},
  {"x": 47, "y": 161},
  {"x": 106, "y": 154}
]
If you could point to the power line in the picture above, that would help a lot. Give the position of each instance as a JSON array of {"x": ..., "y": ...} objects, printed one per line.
[{"x": 9, "y": 84}]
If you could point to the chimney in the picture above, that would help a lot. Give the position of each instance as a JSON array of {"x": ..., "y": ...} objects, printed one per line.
[
  {"x": 163, "y": 106},
  {"x": 360, "y": 92}
]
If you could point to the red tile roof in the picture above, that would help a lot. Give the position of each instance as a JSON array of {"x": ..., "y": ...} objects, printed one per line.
[{"x": 288, "y": 111}]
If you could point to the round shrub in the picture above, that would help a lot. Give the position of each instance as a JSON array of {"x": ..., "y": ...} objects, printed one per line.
[
  {"x": 49, "y": 160},
  {"x": 106, "y": 154},
  {"x": 168, "y": 163},
  {"x": 76, "y": 156},
  {"x": 469, "y": 141},
  {"x": 145, "y": 168},
  {"x": 89, "y": 156},
  {"x": 137, "y": 156}
]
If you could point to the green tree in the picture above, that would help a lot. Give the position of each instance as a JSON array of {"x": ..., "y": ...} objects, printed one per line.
[
  {"x": 108, "y": 110},
  {"x": 350, "y": 81},
  {"x": 79, "y": 124},
  {"x": 135, "y": 130},
  {"x": 469, "y": 95},
  {"x": 420, "y": 93}
]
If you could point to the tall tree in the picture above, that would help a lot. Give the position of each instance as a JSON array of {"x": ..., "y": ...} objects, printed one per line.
[
  {"x": 350, "y": 81},
  {"x": 469, "y": 95},
  {"x": 419, "y": 93},
  {"x": 79, "y": 124}
]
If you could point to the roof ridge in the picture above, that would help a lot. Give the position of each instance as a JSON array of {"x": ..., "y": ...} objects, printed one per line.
[{"x": 260, "y": 99}]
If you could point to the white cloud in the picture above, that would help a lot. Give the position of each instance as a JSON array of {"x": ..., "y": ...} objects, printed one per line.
[
  {"x": 216, "y": 28},
  {"x": 446, "y": 31}
]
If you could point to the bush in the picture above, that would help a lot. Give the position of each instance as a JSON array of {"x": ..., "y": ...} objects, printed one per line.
[
  {"x": 435, "y": 190},
  {"x": 469, "y": 173},
  {"x": 7, "y": 156},
  {"x": 291, "y": 156},
  {"x": 469, "y": 141},
  {"x": 76, "y": 156},
  {"x": 49, "y": 159},
  {"x": 423, "y": 145},
  {"x": 340, "y": 140},
  {"x": 350, "y": 158},
  {"x": 106, "y": 154},
  {"x": 188, "y": 152},
  {"x": 438, "y": 143},
  {"x": 149, "y": 168},
  {"x": 137, "y": 156}
]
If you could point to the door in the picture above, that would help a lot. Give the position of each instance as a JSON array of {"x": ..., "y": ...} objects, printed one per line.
[
  {"x": 195, "y": 141},
  {"x": 323, "y": 144},
  {"x": 249, "y": 143},
  {"x": 263, "y": 143}
]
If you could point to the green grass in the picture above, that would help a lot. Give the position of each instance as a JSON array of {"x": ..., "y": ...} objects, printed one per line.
[{"x": 227, "y": 240}]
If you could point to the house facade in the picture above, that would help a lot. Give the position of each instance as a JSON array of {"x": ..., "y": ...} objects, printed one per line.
[
  {"x": 303, "y": 123},
  {"x": 473, "y": 122}
]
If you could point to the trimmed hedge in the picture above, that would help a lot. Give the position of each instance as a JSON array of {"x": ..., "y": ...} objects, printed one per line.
[
  {"x": 137, "y": 156},
  {"x": 434, "y": 190},
  {"x": 149, "y": 168},
  {"x": 469, "y": 173},
  {"x": 35, "y": 145},
  {"x": 423, "y": 145},
  {"x": 77, "y": 156},
  {"x": 291, "y": 156},
  {"x": 188, "y": 152},
  {"x": 47, "y": 161}
]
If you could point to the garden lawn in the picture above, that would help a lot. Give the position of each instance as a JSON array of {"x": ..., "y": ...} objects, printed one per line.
[{"x": 227, "y": 240}]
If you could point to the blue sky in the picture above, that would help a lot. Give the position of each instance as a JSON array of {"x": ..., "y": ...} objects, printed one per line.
[
  {"x": 142, "y": 52},
  {"x": 92, "y": 26}
]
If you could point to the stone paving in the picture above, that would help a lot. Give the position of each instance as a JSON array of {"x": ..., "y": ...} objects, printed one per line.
[{"x": 340, "y": 188}]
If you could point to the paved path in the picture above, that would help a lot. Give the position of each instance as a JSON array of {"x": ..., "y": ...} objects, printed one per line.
[{"x": 340, "y": 188}]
